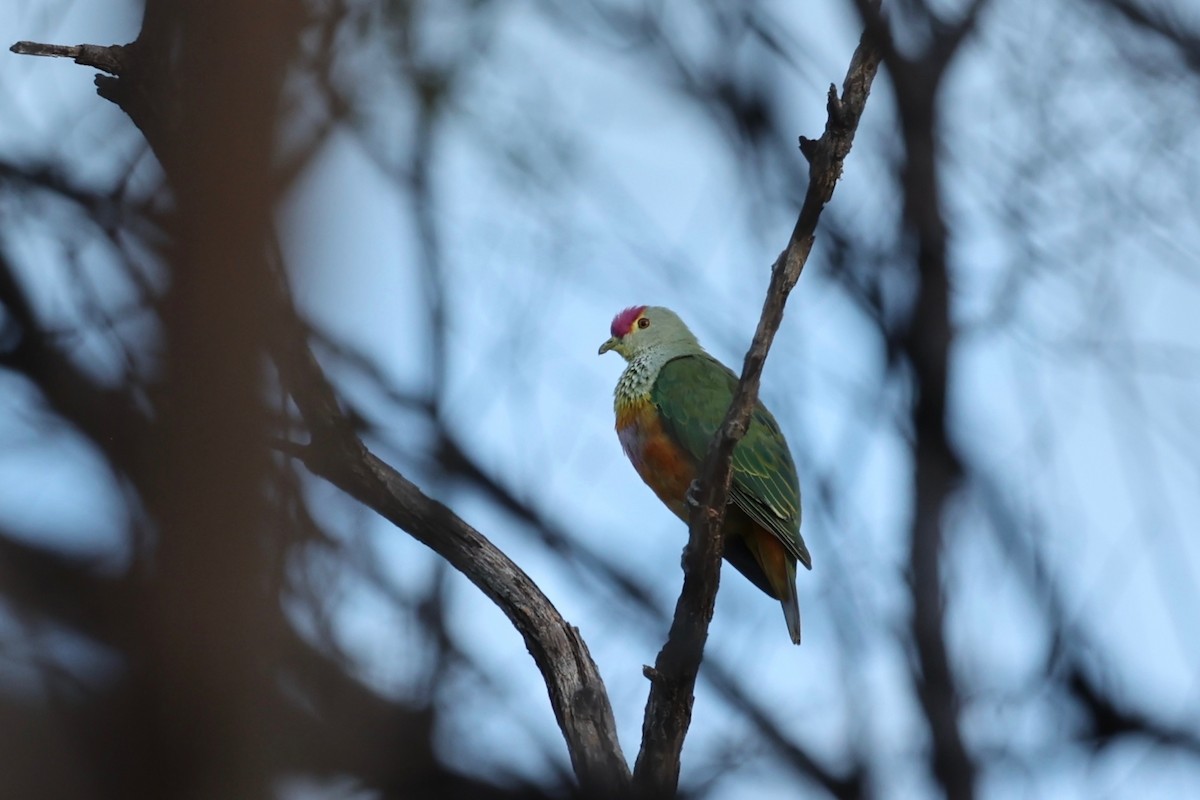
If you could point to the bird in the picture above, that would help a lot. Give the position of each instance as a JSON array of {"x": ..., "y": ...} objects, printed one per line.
[{"x": 669, "y": 402}]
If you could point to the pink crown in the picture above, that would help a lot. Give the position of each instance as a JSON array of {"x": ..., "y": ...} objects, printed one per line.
[{"x": 624, "y": 321}]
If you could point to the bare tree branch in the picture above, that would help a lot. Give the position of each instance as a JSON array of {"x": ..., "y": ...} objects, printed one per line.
[
  {"x": 576, "y": 690},
  {"x": 673, "y": 677},
  {"x": 110, "y": 58}
]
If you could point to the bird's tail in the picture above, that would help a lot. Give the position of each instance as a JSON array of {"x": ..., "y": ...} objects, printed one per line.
[
  {"x": 779, "y": 568},
  {"x": 791, "y": 611}
]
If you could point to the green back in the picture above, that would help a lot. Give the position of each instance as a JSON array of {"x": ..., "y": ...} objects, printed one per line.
[{"x": 692, "y": 394}]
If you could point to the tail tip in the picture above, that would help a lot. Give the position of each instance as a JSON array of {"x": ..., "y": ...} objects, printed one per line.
[{"x": 791, "y": 613}]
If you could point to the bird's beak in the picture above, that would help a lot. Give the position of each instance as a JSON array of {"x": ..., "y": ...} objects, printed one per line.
[{"x": 608, "y": 345}]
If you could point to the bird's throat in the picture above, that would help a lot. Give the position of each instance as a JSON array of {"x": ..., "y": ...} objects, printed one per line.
[{"x": 637, "y": 380}]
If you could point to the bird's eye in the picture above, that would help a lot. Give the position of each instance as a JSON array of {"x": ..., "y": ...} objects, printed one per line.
[{"x": 643, "y": 323}]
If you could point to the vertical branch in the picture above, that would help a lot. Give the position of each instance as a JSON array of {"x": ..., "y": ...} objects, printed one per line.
[
  {"x": 673, "y": 677},
  {"x": 927, "y": 342},
  {"x": 204, "y": 626},
  {"x": 208, "y": 626}
]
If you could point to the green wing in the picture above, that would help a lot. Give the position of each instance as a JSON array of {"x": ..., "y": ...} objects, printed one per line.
[{"x": 692, "y": 394}]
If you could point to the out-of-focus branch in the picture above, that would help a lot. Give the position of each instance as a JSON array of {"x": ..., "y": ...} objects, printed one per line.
[
  {"x": 576, "y": 690},
  {"x": 1172, "y": 31},
  {"x": 673, "y": 678},
  {"x": 1110, "y": 717},
  {"x": 342, "y": 727},
  {"x": 107, "y": 416},
  {"x": 1110, "y": 721},
  {"x": 926, "y": 340}
]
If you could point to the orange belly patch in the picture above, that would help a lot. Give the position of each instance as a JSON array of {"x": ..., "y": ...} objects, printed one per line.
[{"x": 663, "y": 465}]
